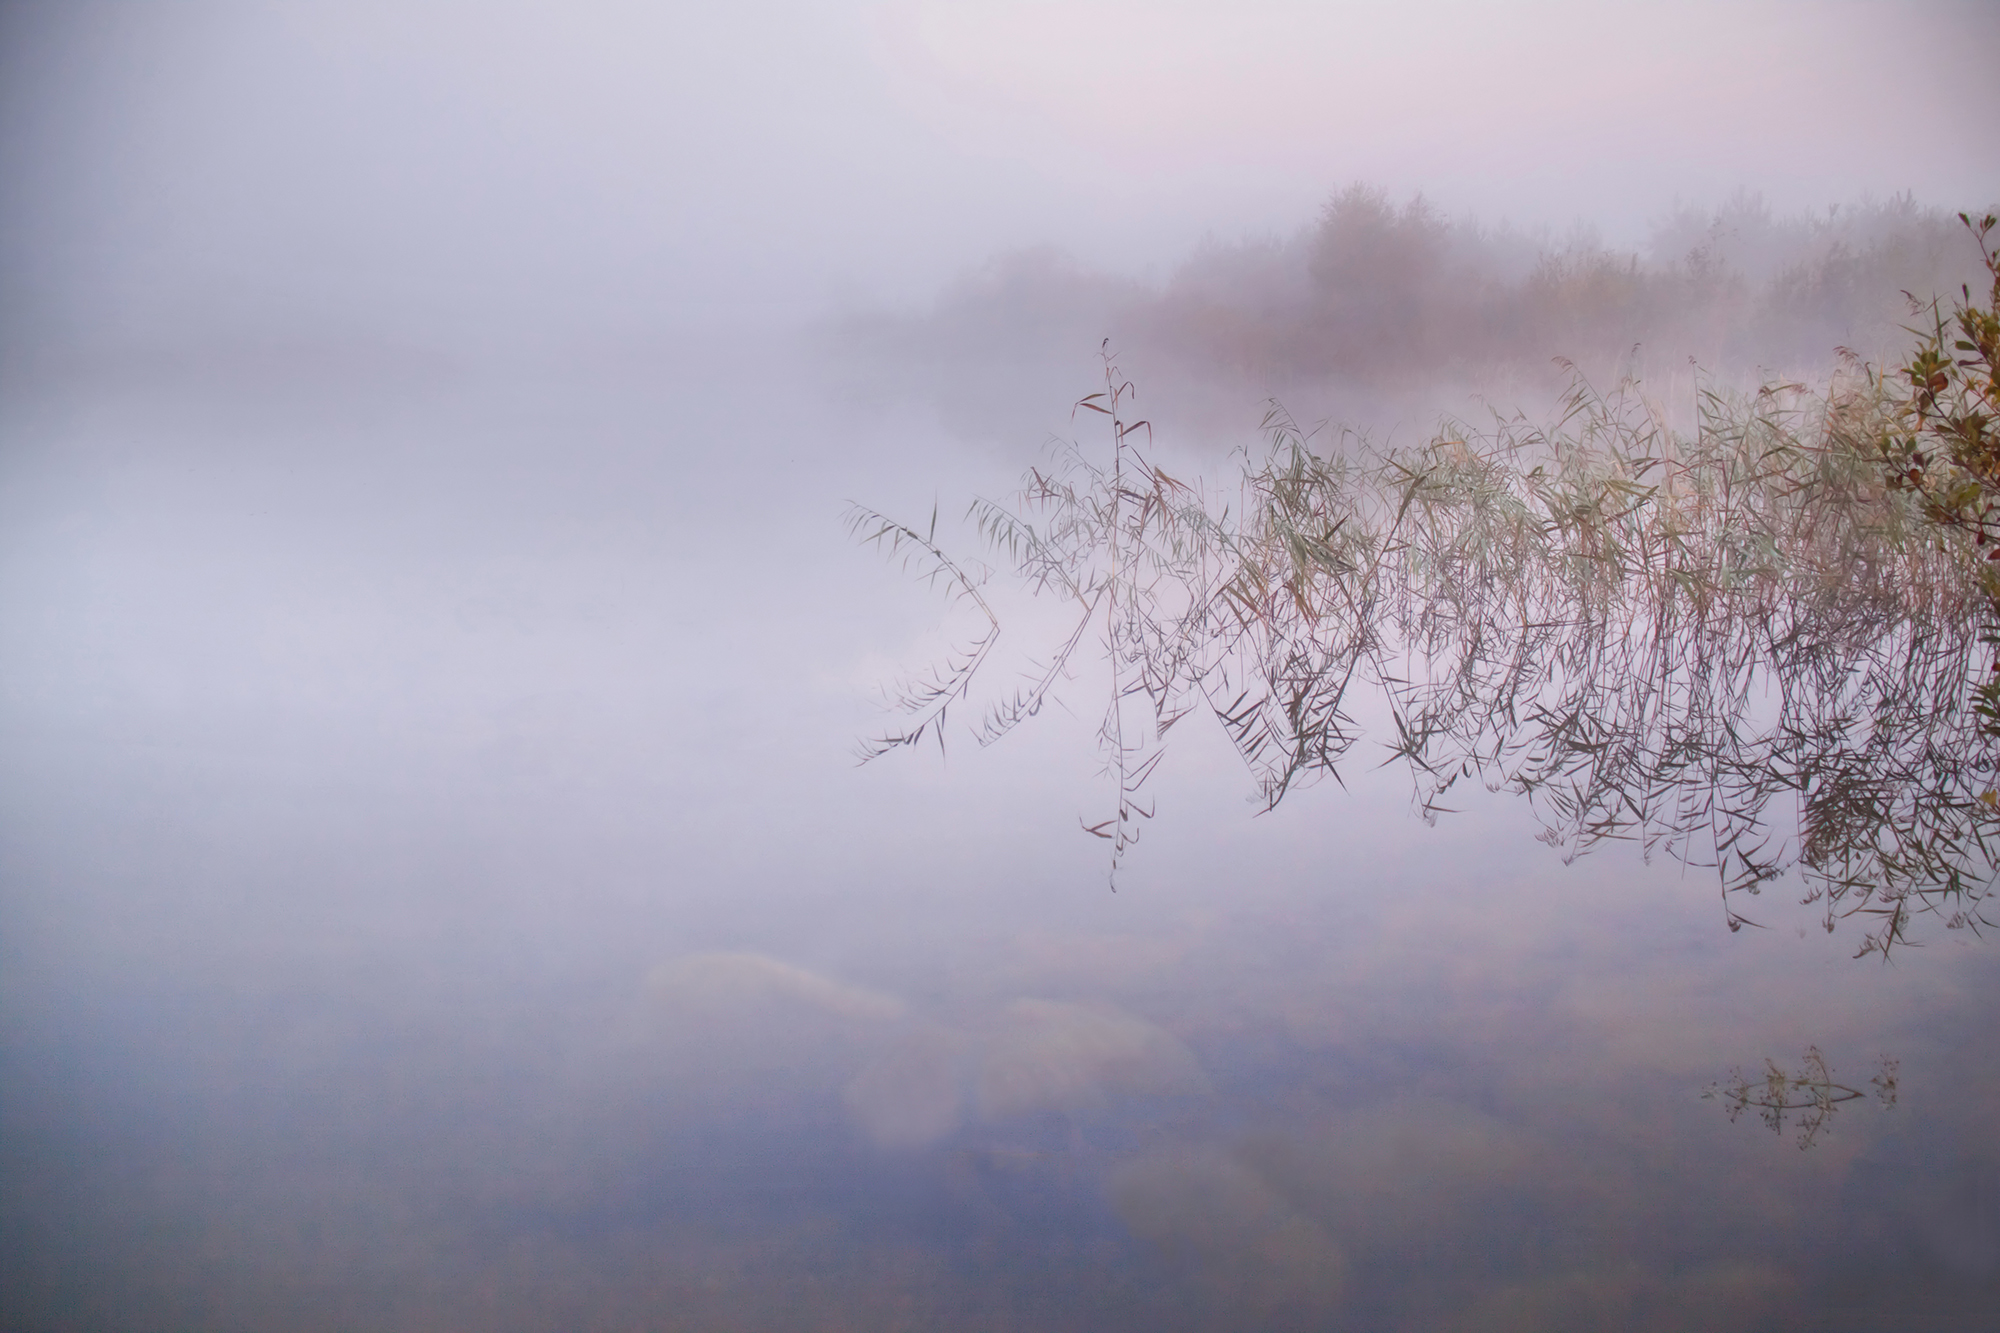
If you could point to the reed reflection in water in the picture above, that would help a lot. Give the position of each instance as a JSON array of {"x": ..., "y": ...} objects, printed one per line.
[
  {"x": 373, "y": 963},
  {"x": 434, "y": 888},
  {"x": 1653, "y": 636}
]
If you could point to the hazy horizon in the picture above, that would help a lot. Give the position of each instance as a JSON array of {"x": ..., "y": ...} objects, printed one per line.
[{"x": 436, "y": 885}]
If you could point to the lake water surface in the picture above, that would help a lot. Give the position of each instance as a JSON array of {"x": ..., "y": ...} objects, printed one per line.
[{"x": 437, "y": 891}]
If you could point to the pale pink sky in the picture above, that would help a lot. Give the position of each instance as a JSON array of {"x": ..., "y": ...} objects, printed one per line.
[{"x": 618, "y": 160}]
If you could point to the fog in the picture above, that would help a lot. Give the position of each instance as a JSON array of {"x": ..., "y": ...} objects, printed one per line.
[
  {"x": 1382, "y": 314},
  {"x": 437, "y": 887}
]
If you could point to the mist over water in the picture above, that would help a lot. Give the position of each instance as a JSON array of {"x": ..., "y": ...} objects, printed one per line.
[
  {"x": 436, "y": 887},
  {"x": 1386, "y": 313}
]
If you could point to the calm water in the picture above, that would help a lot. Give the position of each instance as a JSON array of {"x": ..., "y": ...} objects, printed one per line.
[{"x": 437, "y": 892}]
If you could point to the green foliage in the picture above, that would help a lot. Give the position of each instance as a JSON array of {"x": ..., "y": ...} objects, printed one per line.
[
  {"x": 1944, "y": 440},
  {"x": 1941, "y": 441}
]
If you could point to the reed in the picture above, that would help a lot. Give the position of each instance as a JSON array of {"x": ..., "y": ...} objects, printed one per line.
[{"x": 1759, "y": 646}]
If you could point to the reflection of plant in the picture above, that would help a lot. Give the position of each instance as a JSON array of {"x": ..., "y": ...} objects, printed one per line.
[
  {"x": 1810, "y": 1094},
  {"x": 1652, "y": 636},
  {"x": 928, "y": 700},
  {"x": 1109, "y": 542}
]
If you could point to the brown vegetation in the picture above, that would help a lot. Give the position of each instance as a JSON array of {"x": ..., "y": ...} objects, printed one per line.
[{"x": 1375, "y": 296}]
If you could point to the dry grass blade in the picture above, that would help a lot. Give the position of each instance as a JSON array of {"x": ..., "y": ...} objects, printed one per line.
[{"x": 926, "y": 700}]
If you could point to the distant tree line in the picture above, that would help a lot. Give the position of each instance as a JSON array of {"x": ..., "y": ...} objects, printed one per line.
[{"x": 1383, "y": 293}]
